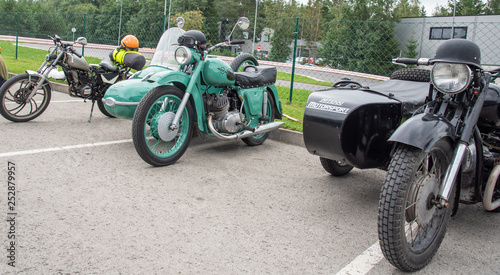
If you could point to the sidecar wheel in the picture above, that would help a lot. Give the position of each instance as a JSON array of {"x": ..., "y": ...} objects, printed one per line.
[
  {"x": 154, "y": 140},
  {"x": 243, "y": 60},
  {"x": 13, "y": 96},
  {"x": 412, "y": 74},
  {"x": 410, "y": 227},
  {"x": 259, "y": 139},
  {"x": 336, "y": 168},
  {"x": 103, "y": 110}
]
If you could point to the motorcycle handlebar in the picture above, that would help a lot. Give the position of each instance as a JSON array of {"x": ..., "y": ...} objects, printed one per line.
[
  {"x": 411, "y": 61},
  {"x": 237, "y": 42}
]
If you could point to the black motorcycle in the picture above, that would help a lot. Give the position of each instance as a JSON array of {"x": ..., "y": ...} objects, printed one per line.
[
  {"x": 26, "y": 96},
  {"x": 436, "y": 133}
]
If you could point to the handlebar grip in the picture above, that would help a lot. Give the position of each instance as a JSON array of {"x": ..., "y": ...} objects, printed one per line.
[
  {"x": 237, "y": 42},
  {"x": 407, "y": 61}
]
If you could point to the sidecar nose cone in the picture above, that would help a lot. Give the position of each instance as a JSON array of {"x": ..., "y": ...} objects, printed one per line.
[{"x": 111, "y": 102}]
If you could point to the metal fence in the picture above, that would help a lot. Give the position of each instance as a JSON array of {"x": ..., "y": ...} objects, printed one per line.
[{"x": 323, "y": 51}]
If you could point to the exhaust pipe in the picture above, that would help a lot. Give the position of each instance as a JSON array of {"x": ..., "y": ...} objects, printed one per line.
[
  {"x": 490, "y": 187},
  {"x": 258, "y": 130}
]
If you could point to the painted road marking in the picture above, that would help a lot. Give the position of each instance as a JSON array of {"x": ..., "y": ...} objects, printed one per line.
[
  {"x": 364, "y": 262},
  {"x": 68, "y": 147}
]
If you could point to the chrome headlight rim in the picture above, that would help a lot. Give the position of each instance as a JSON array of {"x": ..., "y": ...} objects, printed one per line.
[
  {"x": 458, "y": 68},
  {"x": 184, "y": 57}
]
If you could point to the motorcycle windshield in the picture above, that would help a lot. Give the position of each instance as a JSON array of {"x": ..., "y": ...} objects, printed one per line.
[{"x": 164, "y": 54}]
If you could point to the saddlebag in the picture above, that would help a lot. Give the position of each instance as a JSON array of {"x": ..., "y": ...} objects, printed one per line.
[{"x": 352, "y": 124}]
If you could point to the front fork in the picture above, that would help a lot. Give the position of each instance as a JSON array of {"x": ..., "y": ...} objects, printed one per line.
[{"x": 456, "y": 162}]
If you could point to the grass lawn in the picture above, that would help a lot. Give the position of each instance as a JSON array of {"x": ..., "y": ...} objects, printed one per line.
[{"x": 32, "y": 59}]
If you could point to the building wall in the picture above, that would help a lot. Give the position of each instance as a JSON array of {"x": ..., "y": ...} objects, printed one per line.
[{"x": 483, "y": 30}]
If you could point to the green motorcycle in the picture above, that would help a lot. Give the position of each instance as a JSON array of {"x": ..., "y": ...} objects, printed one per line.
[{"x": 184, "y": 87}]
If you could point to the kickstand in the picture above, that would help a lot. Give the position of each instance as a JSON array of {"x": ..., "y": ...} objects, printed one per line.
[{"x": 91, "y": 110}]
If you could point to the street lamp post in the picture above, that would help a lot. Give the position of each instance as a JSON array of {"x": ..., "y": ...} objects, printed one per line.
[
  {"x": 254, "y": 25},
  {"x": 120, "y": 25}
]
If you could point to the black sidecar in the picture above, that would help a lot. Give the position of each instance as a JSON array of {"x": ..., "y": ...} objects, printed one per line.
[{"x": 350, "y": 124}]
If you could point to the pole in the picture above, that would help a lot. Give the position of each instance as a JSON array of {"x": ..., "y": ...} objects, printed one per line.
[
  {"x": 169, "y": 9},
  {"x": 17, "y": 32},
  {"x": 254, "y": 25},
  {"x": 294, "y": 53},
  {"x": 164, "y": 15},
  {"x": 120, "y": 25},
  {"x": 453, "y": 24},
  {"x": 83, "y": 33}
]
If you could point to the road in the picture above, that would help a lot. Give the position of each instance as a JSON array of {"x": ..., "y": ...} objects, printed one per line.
[{"x": 85, "y": 203}]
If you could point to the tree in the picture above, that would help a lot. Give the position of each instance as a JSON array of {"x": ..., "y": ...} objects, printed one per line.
[
  {"x": 313, "y": 27},
  {"x": 362, "y": 39},
  {"x": 280, "y": 17},
  {"x": 463, "y": 7},
  {"x": 409, "y": 8}
]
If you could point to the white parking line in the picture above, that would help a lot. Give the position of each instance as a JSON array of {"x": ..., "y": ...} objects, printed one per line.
[
  {"x": 364, "y": 262},
  {"x": 68, "y": 147}
]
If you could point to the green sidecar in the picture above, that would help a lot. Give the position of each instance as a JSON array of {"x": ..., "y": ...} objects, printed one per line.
[{"x": 184, "y": 88}]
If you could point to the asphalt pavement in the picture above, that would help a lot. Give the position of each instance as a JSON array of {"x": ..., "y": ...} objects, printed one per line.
[{"x": 86, "y": 203}]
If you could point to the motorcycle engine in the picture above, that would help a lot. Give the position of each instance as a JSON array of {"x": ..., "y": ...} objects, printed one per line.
[
  {"x": 79, "y": 83},
  {"x": 225, "y": 119}
]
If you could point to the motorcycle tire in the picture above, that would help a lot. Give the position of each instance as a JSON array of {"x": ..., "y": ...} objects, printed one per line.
[
  {"x": 410, "y": 227},
  {"x": 243, "y": 60},
  {"x": 336, "y": 168},
  {"x": 14, "y": 105},
  {"x": 103, "y": 110},
  {"x": 153, "y": 139},
  {"x": 412, "y": 74},
  {"x": 259, "y": 139}
]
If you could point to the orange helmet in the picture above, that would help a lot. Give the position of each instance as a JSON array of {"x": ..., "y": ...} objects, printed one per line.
[{"x": 130, "y": 42}]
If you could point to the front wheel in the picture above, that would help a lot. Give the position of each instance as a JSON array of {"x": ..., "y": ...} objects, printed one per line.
[
  {"x": 410, "y": 226},
  {"x": 336, "y": 168},
  {"x": 154, "y": 140},
  {"x": 15, "y": 102}
]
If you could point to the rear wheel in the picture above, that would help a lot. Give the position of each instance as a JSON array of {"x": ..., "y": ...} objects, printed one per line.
[
  {"x": 259, "y": 139},
  {"x": 154, "y": 140},
  {"x": 336, "y": 168},
  {"x": 410, "y": 226},
  {"x": 14, "y": 93}
]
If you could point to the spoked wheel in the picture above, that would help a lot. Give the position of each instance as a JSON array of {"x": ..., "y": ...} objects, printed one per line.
[
  {"x": 243, "y": 60},
  {"x": 154, "y": 140},
  {"x": 259, "y": 139},
  {"x": 410, "y": 226},
  {"x": 336, "y": 168},
  {"x": 15, "y": 102}
]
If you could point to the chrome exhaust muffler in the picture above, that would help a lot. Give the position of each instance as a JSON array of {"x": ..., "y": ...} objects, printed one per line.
[{"x": 258, "y": 130}]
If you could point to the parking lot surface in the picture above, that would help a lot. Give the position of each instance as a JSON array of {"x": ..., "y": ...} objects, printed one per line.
[{"x": 86, "y": 203}]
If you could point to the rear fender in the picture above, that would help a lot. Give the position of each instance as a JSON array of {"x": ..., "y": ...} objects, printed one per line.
[
  {"x": 277, "y": 103},
  {"x": 423, "y": 131}
]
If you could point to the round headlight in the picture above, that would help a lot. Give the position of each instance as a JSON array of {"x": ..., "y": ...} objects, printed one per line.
[
  {"x": 450, "y": 78},
  {"x": 183, "y": 55}
]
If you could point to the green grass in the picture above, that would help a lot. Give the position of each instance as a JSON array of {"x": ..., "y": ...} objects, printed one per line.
[
  {"x": 31, "y": 59},
  {"x": 27, "y": 58}
]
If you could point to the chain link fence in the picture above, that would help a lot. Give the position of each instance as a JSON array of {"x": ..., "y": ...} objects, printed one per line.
[{"x": 310, "y": 54}]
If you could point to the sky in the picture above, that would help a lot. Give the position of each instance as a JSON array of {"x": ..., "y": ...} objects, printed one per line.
[{"x": 431, "y": 4}]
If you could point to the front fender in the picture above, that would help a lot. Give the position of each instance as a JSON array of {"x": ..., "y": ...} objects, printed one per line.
[{"x": 423, "y": 131}]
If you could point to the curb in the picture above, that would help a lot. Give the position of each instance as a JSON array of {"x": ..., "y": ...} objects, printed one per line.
[
  {"x": 281, "y": 135},
  {"x": 288, "y": 137}
]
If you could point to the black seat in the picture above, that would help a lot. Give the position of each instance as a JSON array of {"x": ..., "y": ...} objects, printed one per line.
[{"x": 256, "y": 76}]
